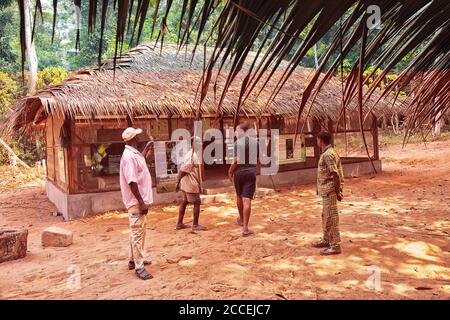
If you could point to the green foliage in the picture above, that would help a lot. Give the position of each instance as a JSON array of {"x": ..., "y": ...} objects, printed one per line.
[
  {"x": 8, "y": 92},
  {"x": 28, "y": 149},
  {"x": 8, "y": 56},
  {"x": 51, "y": 76}
]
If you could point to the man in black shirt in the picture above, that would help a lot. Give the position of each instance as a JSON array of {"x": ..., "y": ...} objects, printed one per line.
[{"x": 243, "y": 173}]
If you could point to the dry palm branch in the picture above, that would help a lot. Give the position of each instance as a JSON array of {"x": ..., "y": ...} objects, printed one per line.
[{"x": 287, "y": 30}]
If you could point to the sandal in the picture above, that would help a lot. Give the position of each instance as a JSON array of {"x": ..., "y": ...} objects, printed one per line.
[
  {"x": 199, "y": 228},
  {"x": 143, "y": 274},
  {"x": 247, "y": 233},
  {"x": 181, "y": 226}
]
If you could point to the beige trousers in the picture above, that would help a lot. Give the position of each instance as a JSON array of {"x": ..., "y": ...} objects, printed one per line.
[{"x": 137, "y": 236}]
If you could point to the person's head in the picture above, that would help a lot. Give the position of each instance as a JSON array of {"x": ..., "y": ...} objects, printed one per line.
[
  {"x": 130, "y": 136},
  {"x": 323, "y": 139},
  {"x": 241, "y": 130}
]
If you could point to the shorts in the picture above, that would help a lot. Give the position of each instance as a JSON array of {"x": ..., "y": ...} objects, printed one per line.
[
  {"x": 191, "y": 197},
  {"x": 245, "y": 183}
]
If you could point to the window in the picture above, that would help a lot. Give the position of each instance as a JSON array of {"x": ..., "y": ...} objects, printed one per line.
[
  {"x": 105, "y": 158},
  {"x": 289, "y": 149}
]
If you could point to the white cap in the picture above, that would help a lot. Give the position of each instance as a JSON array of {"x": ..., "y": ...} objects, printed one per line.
[{"x": 130, "y": 133}]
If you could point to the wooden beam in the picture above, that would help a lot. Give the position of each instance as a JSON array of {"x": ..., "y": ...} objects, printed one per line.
[
  {"x": 71, "y": 168},
  {"x": 331, "y": 130},
  {"x": 316, "y": 130},
  {"x": 376, "y": 146}
]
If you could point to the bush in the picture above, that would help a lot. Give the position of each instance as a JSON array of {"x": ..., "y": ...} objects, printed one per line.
[
  {"x": 51, "y": 76},
  {"x": 29, "y": 149},
  {"x": 9, "y": 90}
]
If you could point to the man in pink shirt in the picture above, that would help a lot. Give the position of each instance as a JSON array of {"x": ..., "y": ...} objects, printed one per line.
[{"x": 136, "y": 188}]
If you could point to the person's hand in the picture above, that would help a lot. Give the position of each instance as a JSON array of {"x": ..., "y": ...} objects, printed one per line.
[
  {"x": 340, "y": 196},
  {"x": 143, "y": 208}
]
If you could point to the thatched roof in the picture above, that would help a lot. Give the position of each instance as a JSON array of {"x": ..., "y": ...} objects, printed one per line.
[{"x": 146, "y": 83}]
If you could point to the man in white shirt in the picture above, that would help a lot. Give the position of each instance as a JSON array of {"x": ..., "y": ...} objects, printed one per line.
[
  {"x": 136, "y": 188},
  {"x": 189, "y": 182}
]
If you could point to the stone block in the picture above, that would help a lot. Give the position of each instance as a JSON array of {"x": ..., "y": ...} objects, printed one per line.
[
  {"x": 56, "y": 237},
  {"x": 13, "y": 244}
]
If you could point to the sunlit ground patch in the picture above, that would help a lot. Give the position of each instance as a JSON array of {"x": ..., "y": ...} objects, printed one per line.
[{"x": 421, "y": 250}]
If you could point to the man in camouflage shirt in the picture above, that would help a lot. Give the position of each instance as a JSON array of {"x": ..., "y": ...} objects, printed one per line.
[{"x": 330, "y": 182}]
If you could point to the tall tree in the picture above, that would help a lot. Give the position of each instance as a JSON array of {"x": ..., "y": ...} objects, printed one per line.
[
  {"x": 8, "y": 58},
  {"x": 30, "y": 49}
]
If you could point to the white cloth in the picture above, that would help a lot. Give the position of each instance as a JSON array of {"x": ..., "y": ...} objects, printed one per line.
[{"x": 191, "y": 182}]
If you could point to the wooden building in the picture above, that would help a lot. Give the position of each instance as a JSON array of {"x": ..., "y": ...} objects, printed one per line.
[{"x": 84, "y": 116}]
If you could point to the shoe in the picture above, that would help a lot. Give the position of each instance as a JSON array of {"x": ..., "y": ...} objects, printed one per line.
[
  {"x": 321, "y": 244},
  {"x": 143, "y": 274},
  {"x": 330, "y": 251},
  {"x": 132, "y": 266}
]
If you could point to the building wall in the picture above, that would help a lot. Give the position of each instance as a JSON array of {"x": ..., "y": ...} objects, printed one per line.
[{"x": 57, "y": 156}]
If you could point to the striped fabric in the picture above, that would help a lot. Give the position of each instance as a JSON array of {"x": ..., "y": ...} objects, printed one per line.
[{"x": 330, "y": 220}]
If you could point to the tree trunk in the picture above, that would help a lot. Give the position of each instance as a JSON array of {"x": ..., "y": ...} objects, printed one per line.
[
  {"x": 30, "y": 49},
  {"x": 12, "y": 155},
  {"x": 437, "y": 125},
  {"x": 384, "y": 123},
  {"x": 395, "y": 123},
  {"x": 316, "y": 60}
]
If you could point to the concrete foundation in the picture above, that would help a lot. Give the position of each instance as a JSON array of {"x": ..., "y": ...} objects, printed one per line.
[
  {"x": 80, "y": 205},
  {"x": 305, "y": 176}
]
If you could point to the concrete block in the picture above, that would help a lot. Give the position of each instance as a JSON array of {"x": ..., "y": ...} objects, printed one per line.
[
  {"x": 214, "y": 198},
  {"x": 56, "y": 237},
  {"x": 13, "y": 244},
  {"x": 261, "y": 192},
  {"x": 210, "y": 191}
]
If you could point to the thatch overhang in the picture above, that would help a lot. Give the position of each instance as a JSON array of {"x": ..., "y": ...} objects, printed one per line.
[{"x": 146, "y": 83}]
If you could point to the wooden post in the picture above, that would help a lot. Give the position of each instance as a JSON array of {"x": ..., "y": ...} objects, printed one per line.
[
  {"x": 224, "y": 146},
  {"x": 72, "y": 174},
  {"x": 331, "y": 130},
  {"x": 376, "y": 147},
  {"x": 315, "y": 131},
  {"x": 169, "y": 127}
]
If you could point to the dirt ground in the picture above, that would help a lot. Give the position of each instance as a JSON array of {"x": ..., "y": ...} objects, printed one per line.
[{"x": 395, "y": 224}]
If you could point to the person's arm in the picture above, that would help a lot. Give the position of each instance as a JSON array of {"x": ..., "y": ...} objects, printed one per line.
[
  {"x": 135, "y": 191},
  {"x": 232, "y": 168},
  {"x": 234, "y": 163},
  {"x": 331, "y": 163},
  {"x": 337, "y": 185}
]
